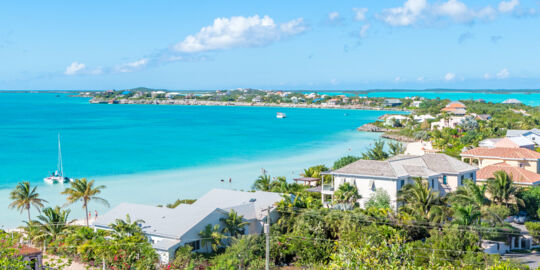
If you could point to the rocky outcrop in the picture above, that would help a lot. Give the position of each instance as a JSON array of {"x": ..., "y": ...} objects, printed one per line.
[{"x": 372, "y": 128}]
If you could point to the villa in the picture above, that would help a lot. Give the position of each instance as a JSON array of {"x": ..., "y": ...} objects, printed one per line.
[
  {"x": 456, "y": 108},
  {"x": 533, "y": 134},
  {"x": 443, "y": 174},
  {"x": 392, "y": 102},
  {"x": 511, "y": 101},
  {"x": 168, "y": 229},
  {"x": 509, "y": 142},
  {"x": 520, "y": 163},
  {"x": 451, "y": 122}
]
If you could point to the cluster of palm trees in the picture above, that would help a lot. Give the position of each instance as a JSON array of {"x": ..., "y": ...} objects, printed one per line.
[
  {"x": 470, "y": 203},
  {"x": 52, "y": 220},
  {"x": 214, "y": 236}
]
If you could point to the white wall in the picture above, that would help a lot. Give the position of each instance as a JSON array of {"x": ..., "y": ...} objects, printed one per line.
[{"x": 363, "y": 184}]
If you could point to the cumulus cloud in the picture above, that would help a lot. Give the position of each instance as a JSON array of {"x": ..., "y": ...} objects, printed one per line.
[
  {"x": 508, "y": 6},
  {"x": 360, "y": 14},
  {"x": 364, "y": 29},
  {"x": 405, "y": 15},
  {"x": 503, "y": 74},
  {"x": 449, "y": 76},
  {"x": 132, "y": 66},
  {"x": 414, "y": 11},
  {"x": 74, "y": 68},
  {"x": 333, "y": 16},
  {"x": 237, "y": 32}
]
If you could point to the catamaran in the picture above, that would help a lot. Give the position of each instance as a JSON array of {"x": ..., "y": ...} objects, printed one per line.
[{"x": 58, "y": 175}]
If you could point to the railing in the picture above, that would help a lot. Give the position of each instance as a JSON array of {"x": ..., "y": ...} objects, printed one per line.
[{"x": 328, "y": 188}]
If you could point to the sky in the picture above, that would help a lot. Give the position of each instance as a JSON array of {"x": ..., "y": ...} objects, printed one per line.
[{"x": 304, "y": 45}]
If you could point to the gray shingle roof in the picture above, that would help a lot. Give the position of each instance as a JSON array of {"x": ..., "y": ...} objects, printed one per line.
[{"x": 407, "y": 165}]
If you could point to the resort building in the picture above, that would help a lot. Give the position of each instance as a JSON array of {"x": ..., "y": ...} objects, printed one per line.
[
  {"x": 168, "y": 229},
  {"x": 392, "y": 119},
  {"x": 520, "y": 163},
  {"x": 423, "y": 117},
  {"x": 510, "y": 142},
  {"x": 451, "y": 122},
  {"x": 392, "y": 102},
  {"x": 456, "y": 108},
  {"x": 533, "y": 134},
  {"x": 511, "y": 101},
  {"x": 416, "y": 103},
  {"x": 443, "y": 174}
]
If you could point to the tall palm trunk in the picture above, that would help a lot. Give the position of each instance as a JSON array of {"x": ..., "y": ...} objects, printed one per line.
[
  {"x": 86, "y": 209},
  {"x": 28, "y": 209}
]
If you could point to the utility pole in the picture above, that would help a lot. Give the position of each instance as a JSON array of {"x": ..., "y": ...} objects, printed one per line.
[{"x": 267, "y": 231}]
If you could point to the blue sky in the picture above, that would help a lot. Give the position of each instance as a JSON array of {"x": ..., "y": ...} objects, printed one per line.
[{"x": 413, "y": 44}]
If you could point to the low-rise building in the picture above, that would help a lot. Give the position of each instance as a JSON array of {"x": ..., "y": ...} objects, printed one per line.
[
  {"x": 455, "y": 107},
  {"x": 450, "y": 122},
  {"x": 533, "y": 134},
  {"x": 168, "y": 229},
  {"x": 392, "y": 102},
  {"x": 511, "y": 101},
  {"x": 442, "y": 172},
  {"x": 509, "y": 142}
]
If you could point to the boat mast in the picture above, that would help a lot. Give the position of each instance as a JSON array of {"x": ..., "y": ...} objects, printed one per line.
[{"x": 60, "y": 166}]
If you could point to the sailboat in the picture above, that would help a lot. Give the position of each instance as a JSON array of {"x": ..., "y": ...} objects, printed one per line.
[{"x": 58, "y": 175}]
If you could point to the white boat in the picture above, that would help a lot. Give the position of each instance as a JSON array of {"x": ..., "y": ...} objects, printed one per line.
[
  {"x": 58, "y": 175},
  {"x": 281, "y": 115}
]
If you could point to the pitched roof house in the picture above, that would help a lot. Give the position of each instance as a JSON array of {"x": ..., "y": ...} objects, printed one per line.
[
  {"x": 443, "y": 173},
  {"x": 168, "y": 229},
  {"x": 521, "y": 163}
]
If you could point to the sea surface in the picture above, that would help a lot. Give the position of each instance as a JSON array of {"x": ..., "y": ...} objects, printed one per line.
[{"x": 155, "y": 154}]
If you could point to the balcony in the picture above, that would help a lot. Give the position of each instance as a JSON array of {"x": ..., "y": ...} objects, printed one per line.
[{"x": 327, "y": 189}]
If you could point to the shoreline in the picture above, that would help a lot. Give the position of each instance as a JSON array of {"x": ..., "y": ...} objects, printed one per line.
[{"x": 238, "y": 104}]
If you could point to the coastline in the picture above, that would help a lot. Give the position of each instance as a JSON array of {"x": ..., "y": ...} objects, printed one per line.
[
  {"x": 238, "y": 104},
  {"x": 161, "y": 187}
]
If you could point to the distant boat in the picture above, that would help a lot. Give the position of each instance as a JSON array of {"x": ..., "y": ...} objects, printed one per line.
[
  {"x": 281, "y": 115},
  {"x": 58, "y": 175}
]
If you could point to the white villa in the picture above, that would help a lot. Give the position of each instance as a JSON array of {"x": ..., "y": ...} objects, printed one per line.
[
  {"x": 451, "y": 122},
  {"x": 168, "y": 229},
  {"x": 533, "y": 134},
  {"x": 443, "y": 173}
]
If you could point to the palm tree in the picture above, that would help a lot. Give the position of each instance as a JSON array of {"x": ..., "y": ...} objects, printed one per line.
[
  {"x": 466, "y": 215},
  {"x": 502, "y": 188},
  {"x": 84, "y": 190},
  {"x": 126, "y": 227},
  {"x": 211, "y": 237},
  {"x": 419, "y": 200},
  {"x": 52, "y": 223},
  {"x": 234, "y": 224},
  {"x": 262, "y": 183},
  {"x": 470, "y": 193},
  {"x": 347, "y": 193},
  {"x": 376, "y": 152},
  {"x": 23, "y": 196},
  {"x": 396, "y": 148}
]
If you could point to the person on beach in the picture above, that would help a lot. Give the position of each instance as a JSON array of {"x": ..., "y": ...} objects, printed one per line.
[
  {"x": 90, "y": 215},
  {"x": 95, "y": 214},
  {"x": 222, "y": 180},
  {"x": 230, "y": 180}
]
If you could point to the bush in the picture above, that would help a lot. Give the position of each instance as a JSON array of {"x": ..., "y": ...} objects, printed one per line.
[
  {"x": 534, "y": 229},
  {"x": 380, "y": 199},
  {"x": 531, "y": 200},
  {"x": 344, "y": 161}
]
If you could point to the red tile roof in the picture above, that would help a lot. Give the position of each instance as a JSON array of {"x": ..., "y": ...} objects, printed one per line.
[
  {"x": 26, "y": 250},
  {"x": 503, "y": 153},
  {"x": 519, "y": 175}
]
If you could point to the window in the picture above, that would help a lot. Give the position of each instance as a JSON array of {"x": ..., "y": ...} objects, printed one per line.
[
  {"x": 521, "y": 165},
  {"x": 401, "y": 183},
  {"x": 196, "y": 245},
  {"x": 472, "y": 176},
  {"x": 432, "y": 183},
  {"x": 444, "y": 179},
  {"x": 372, "y": 185},
  {"x": 461, "y": 180}
]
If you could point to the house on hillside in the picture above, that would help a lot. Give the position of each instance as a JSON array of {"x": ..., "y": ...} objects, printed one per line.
[
  {"x": 456, "y": 108},
  {"x": 520, "y": 163},
  {"x": 392, "y": 102},
  {"x": 168, "y": 229},
  {"x": 533, "y": 134},
  {"x": 451, "y": 122},
  {"x": 442, "y": 172},
  {"x": 511, "y": 101},
  {"x": 509, "y": 142}
]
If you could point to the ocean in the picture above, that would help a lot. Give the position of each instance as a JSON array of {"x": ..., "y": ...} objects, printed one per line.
[{"x": 155, "y": 154}]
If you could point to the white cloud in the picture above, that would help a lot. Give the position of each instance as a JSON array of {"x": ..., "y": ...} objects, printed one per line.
[
  {"x": 459, "y": 12},
  {"x": 449, "y": 76},
  {"x": 132, "y": 66},
  {"x": 508, "y": 6},
  {"x": 487, "y": 76},
  {"x": 332, "y": 16},
  {"x": 405, "y": 15},
  {"x": 360, "y": 14},
  {"x": 74, "y": 68},
  {"x": 363, "y": 30},
  {"x": 503, "y": 74},
  {"x": 235, "y": 32}
]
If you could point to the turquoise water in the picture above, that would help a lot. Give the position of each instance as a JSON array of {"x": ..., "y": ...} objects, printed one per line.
[
  {"x": 532, "y": 99},
  {"x": 155, "y": 154}
]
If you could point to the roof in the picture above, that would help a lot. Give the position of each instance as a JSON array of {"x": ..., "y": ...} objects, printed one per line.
[
  {"x": 458, "y": 111},
  {"x": 519, "y": 175},
  {"x": 514, "y": 142},
  {"x": 307, "y": 179},
  {"x": 521, "y": 132},
  {"x": 171, "y": 223},
  {"x": 407, "y": 165},
  {"x": 165, "y": 244},
  {"x": 502, "y": 153},
  {"x": 483, "y": 117},
  {"x": 511, "y": 101},
  {"x": 392, "y": 100},
  {"x": 225, "y": 198},
  {"x": 25, "y": 250},
  {"x": 455, "y": 104}
]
